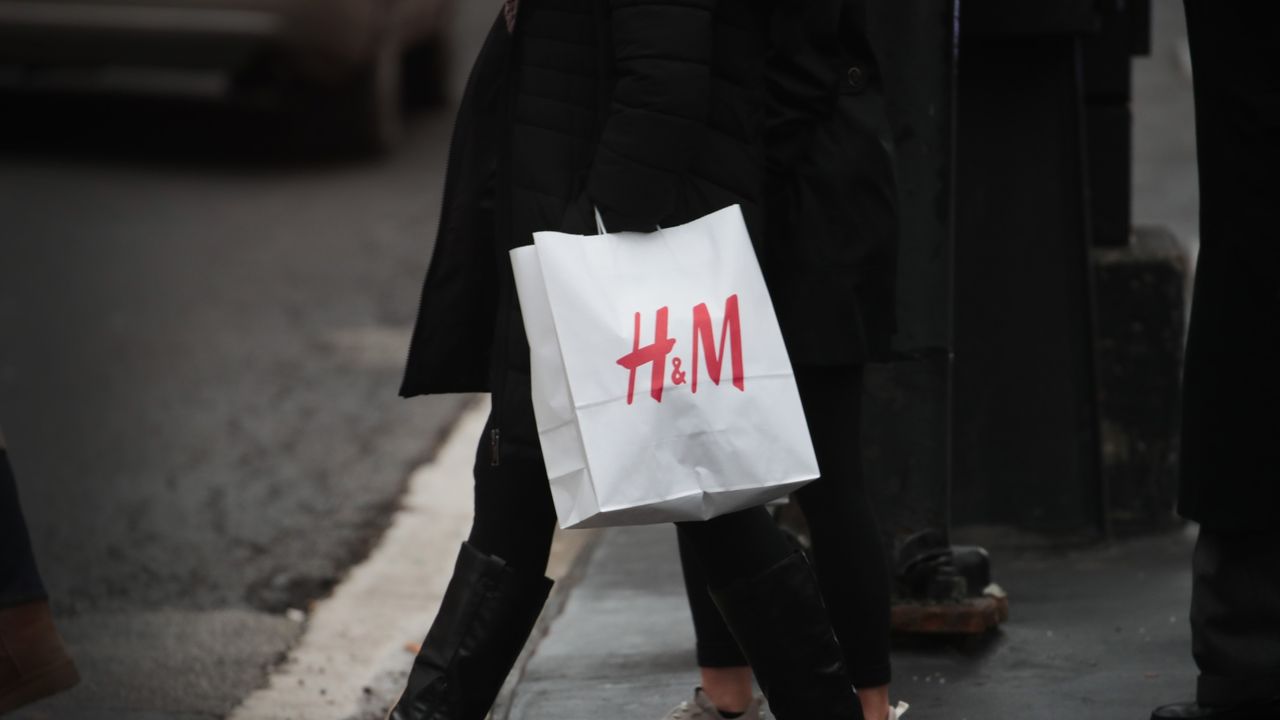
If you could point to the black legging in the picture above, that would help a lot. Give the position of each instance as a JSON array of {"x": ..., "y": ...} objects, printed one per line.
[
  {"x": 19, "y": 579},
  {"x": 846, "y": 544},
  {"x": 515, "y": 518}
]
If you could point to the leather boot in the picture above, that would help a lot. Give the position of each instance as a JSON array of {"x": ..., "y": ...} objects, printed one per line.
[
  {"x": 782, "y": 626},
  {"x": 485, "y": 617},
  {"x": 33, "y": 662}
]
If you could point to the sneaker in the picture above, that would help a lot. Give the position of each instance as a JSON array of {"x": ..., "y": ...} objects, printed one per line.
[
  {"x": 702, "y": 709},
  {"x": 898, "y": 711}
]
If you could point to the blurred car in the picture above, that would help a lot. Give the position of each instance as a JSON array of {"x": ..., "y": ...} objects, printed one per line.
[{"x": 349, "y": 64}]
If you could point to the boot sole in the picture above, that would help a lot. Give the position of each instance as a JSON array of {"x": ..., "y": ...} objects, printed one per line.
[{"x": 47, "y": 682}]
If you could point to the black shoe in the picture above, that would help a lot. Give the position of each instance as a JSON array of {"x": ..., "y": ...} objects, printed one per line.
[
  {"x": 1265, "y": 710},
  {"x": 485, "y": 617},
  {"x": 782, "y": 626}
]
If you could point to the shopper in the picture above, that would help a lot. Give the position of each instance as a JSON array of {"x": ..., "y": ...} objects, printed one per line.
[
  {"x": 1230, "y": 481},
  {"x": 652, "y": 112},
  {"x": 830, "y": 265}
]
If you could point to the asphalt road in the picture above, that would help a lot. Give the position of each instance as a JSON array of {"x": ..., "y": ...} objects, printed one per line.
[{"x": 202, "y": 329}]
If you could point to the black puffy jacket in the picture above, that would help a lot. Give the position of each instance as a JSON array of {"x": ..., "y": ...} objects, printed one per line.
[{"x": 655, "y": 111}]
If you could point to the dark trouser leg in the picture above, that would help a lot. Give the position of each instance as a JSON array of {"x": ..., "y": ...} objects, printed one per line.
[
  {"x": 736, "y": 546},
  {"x": 1235, "y": 616},
  {"x": 716, "y": 647},
  {"x": 1229, "y": 467},
  {"x": 515, "y": 517},
  {"x": 846, "y": 542},
  {"x": 497, "y": 589},
  {"x": 19, "y": 578}
]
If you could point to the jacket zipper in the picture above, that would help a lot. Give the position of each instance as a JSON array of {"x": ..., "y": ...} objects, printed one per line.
[{"x": 502, "y": 202}]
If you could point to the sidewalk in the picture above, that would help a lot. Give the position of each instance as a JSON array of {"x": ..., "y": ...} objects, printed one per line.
[{"x": 1099, "y": 634}]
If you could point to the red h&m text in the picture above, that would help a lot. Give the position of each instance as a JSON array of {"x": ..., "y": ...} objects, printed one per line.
[{"x": 704, "y": 345}]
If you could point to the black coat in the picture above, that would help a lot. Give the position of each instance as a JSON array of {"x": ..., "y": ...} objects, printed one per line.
[
  {"x": 1231, "y": 386},
  {"x": 655, "y": 111},
  {"x": 831, "y": 249}
]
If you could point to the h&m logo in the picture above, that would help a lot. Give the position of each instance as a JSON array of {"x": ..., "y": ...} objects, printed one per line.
[{"x": 703, "y": 338}]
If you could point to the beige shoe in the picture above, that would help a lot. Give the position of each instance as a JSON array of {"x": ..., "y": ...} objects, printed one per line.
[
  {"x": 703, "y": 709},
  {"x": 898, "y": 711}
]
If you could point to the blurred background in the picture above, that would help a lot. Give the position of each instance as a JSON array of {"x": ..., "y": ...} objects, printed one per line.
[
  {"x": 215, "y": 219},
  {"x": 215, "y": 216}
]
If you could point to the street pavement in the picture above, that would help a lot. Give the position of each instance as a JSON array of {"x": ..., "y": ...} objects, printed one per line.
[
  {"x": 202, "y": 329},
  {"x": 1098, "y": 633}
]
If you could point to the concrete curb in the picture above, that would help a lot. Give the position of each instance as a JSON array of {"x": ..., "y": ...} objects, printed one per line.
[
  {"x": 358, "y": 645},
  {"x": 359, "y": 633}
]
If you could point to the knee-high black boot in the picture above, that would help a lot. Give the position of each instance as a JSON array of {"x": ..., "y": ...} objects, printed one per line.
[
  {"x": 782, "y": 626},
  {"x": 487, "y": 614}
]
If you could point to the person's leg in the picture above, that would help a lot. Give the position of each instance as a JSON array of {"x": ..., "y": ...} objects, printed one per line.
[
  {"x": 846, "y": 545},
  {"x": 847, "y": 549},
  {"x": 33, "y": 662},
  {"x": 725, "y": 673},
  {"x": 1235, "y": 617},
  {"x": 770, "y": 600},
  {"x": 1227, "y": 463},
  {"x": 497, "y": 589},
  {"x": 515, "y": 517},
  {"x": 735, "y": 546},
  {"x": 19, "y": 578}
]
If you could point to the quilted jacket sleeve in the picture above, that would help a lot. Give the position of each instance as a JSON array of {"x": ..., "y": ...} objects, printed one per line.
[{"x": 662, "y": 53}]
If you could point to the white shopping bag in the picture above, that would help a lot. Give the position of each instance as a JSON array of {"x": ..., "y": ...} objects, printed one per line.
[{"x": 661, "y": 386}]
